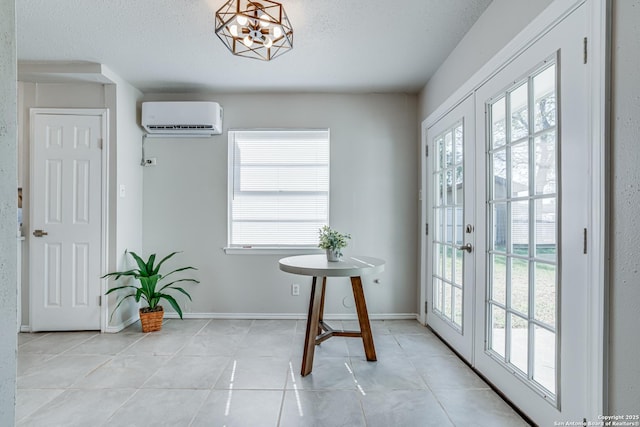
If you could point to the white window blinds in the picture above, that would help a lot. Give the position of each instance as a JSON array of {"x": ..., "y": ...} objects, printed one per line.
[{"x": 278, "y": 187}]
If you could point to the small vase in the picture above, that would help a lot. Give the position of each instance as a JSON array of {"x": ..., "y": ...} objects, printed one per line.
[{"x": 334, "y": 255}]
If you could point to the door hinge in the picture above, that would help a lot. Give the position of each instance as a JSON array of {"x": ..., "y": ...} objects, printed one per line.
[
  {"x": 100, "y": 301},
  {"x": 584, "y": 44},
  {"x": 100, "y": 143},
  {"x": 427, "y": 151},
  {"x": 426, "y": 229},
  {"x": 584, "y": 241},
  {"x": 426, "y": 306}
]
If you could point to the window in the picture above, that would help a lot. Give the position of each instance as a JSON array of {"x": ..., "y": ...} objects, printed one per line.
[{"x": 278, "y": 188}]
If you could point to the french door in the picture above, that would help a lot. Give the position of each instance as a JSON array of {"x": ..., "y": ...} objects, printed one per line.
[
  {"x": 450, "y": 237},
  {"x": 533, "y": 308},
  {"x": 508, "y": 210}
]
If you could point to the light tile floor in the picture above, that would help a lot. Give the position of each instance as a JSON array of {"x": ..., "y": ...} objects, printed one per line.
[{"x": 247, "y": 373}]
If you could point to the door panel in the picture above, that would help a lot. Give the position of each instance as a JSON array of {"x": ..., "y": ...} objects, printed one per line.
[
  {"x": 450, "y": 277},
  {"x": 66, "y": 201},
  {"x": 532, "y": 118}
]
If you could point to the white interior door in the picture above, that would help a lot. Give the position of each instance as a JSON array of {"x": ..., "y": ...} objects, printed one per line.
[
  {"x": 66, "y": 224},
  {"x": 450, "y": 239},
  {"x": 532, "y": 121}
]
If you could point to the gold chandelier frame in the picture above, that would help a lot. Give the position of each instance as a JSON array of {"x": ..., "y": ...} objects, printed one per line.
[{"x": 254, "y": 29}]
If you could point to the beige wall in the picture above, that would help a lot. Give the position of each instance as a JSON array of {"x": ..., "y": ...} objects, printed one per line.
[
  {"x": 8, "y": 212},
  {"x": 374, "y": 196}
]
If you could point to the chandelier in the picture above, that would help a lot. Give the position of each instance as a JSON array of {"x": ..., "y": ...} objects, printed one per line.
[{"x": 259, "y": 30}]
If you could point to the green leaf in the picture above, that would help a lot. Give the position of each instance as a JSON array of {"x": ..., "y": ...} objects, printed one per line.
[
  {"x": 181, "y": 290},
  {"x": 141, "y": 264},
  {"x": 178, "y": 270},
  {"x": 118, "y": 305},
  {"x": 173, "y": 303},
  {"x": 118, "y": 274},
  {"x": 176, "y": 281},
  {"x": 157, "y": 270},
  {"x": 120, "y": 287},
  {"x": 152, "y": 259}
]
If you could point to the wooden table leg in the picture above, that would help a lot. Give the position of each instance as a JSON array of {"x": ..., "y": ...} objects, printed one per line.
[
  {"x": 363, "y": 318},
  {"x": 324, "y": 290},
  {"x": 313, "y": 320}
]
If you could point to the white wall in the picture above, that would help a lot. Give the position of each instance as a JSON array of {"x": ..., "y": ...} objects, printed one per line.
[
  {"x": 125, "y": 224},
  {"x": 8, "y": 209},
  {"x": 490, "y": 34},
  {"x": 126, "y": 230},
  {"x": 374, "y": 189},
  {"x": 499, "y": 23},
  {"x": 624, "y": 383}
]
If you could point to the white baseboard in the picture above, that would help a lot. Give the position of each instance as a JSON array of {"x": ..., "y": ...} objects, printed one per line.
[
  {"x": 112, "y": 329},
  {"x": 289, "y": 316}
]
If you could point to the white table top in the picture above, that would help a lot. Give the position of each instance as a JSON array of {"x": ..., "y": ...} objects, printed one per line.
[{"x": 317, "y": 265}]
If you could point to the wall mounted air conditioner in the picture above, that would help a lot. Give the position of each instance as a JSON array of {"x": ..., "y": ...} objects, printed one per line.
[{"x": 182, "y": 118}]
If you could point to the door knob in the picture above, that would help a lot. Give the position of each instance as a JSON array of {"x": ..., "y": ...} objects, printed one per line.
[
  {"x": 40, "y": 233},
  {"x": 466, "y": 247}
]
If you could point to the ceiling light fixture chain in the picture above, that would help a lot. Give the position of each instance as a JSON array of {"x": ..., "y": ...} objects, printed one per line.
[{"x": 254, "y": 29}]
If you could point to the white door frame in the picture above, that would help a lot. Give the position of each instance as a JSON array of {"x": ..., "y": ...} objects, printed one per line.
[
  {"x": 103, "y": 113},
  {"x": 597, "y": 51}
]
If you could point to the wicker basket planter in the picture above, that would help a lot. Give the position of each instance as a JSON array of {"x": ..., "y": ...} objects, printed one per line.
[{"x": 151, "y": 320}]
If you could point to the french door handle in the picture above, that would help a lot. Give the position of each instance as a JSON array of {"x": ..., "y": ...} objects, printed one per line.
[
  {"x": 40, "y": 233},
  {"x": 466, "y": 247}
]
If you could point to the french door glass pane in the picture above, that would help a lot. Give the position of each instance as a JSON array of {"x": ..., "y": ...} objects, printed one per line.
[
  {"x": 499, "y": 229},
  {"x": 520, "y": 169},
  {"x": 519, "y": 112},
  {"x": 498, "y": 130},
  {"x": 545, "y": 149},
  {"x": 545, "y": 213},
  {"x": 544, "y": 99},
  {"x": 437, "y": 294},
  {"x": 522, "y": 208},
  {"x": 499, "y": 172},
  {"x": 520, "y": 227},
  {"x": 448, "y": 214},
  {"x": 544, "y": 361},
  {"x": 544, "y": 293},
  {"x": 499, "y": 282},
  {"x": 518, "y": 342},
  {"x": 497, "y": 330},
  {"x": 519, "y": 285}
]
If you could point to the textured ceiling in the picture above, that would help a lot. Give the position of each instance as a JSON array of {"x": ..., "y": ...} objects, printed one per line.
[{"x": 170, "y": 45}]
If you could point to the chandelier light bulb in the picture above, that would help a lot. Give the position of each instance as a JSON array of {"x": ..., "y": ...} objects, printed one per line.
[
  {"x": 242, "y": 20},
  {"x": 233, "y": 29},
  {"x": 248, "y": 41},
  {"x": 277, "y": 32},
  {"x": 267, "y": 42},
  {"x": 264, "y": 20}
]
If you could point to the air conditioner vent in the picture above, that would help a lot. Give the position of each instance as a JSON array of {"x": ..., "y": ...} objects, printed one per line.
[
  {"x": 193, "y": 118},
  {"x": 180, "y": 126}
]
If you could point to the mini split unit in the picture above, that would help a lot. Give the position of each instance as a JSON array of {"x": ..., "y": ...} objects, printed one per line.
[{"x": 182, "y": 118}]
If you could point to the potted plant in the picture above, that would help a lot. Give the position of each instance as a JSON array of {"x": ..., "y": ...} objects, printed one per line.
[
  {"x": 333, "y": 241},
  {"x": 148, "y": 275}
]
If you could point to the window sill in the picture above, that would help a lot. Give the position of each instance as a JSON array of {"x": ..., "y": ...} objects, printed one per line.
[{"x": 271, "y": 251}]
